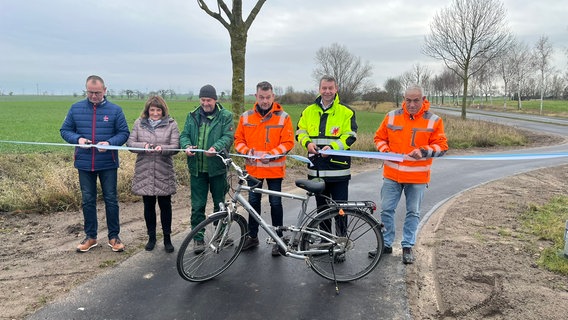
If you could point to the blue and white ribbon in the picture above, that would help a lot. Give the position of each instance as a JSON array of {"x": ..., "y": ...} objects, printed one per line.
[
  {"x": 349, "y": 153},
  {"x": 109, "y": 147}
]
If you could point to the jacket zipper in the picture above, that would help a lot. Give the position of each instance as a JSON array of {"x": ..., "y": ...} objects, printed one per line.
[{"x": 93, "y": 130}]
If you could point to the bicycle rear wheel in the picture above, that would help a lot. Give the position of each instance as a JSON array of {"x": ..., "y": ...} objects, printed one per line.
[
  {"x": 358, "y": 234},
  {"x": 215, "y": 257}
]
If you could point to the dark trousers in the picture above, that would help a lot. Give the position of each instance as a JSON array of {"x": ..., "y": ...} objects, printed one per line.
[
  {"x": 276, "y": 210},
  {"x": 200, "y": 187},
  {"x": 165, "y": 204},
  {"x": 339, "y": 191}
]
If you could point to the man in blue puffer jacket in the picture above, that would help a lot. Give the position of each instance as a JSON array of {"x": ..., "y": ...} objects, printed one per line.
[{"x": 96, "y": 120}]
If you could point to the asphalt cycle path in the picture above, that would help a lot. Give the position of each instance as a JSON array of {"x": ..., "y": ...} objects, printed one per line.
[{"x": 258, "y": 286}]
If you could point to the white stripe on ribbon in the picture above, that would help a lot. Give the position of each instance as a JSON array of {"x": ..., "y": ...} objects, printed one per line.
[
  {"x": 109, "y": 147},
  {"x": 397, "y": 157}
]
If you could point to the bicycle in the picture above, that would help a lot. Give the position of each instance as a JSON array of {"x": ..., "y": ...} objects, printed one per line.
[{"x": 336, "y": 251}]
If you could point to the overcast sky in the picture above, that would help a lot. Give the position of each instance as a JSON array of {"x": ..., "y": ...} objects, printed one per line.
[{"x": 53, "y": 45}]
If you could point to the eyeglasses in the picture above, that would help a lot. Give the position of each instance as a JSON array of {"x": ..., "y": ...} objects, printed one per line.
[{"x": 95, "y": 93}]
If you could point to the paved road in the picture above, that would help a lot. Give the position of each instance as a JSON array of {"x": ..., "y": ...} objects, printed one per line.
[{"x": 258, "y": 286}]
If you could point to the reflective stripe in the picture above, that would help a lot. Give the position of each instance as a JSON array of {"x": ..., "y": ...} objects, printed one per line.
[
  {"x": 280, "y": 150},
  {"x": 323, "y": 141},
  {"x": 404, "y": 168},
  {"x": 329, "y": 173},
  {"x": 381, "y": 145},
  {"x": 283, "y": 115},
  {"x": 241, "y": 147},
  {"x": 272, "y": 164},
  {"x": 340, "y": 145}
]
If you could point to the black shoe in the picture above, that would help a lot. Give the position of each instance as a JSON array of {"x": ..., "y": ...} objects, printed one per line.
[
  {"x": 250, "y": 243},
  {"x": 386, "y": 250},
  {"x": 275, "y": 251},
  {"x": 168, "y": 244},
  {"x": 151, "y": 243},
  {"x": 198, "y": 246},
  {"x": 407, "y": 256}
]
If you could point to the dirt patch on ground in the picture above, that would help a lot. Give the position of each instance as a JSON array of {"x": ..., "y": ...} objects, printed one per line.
[
  {"x": 465, "y": 268},
  {"x": 475, "y": 262}
]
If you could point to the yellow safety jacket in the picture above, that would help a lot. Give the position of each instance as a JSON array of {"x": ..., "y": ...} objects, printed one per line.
[{"x": 335, "y": 127}]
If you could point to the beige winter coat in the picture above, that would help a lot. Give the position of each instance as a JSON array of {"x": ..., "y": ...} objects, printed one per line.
[{"x": 154, "y": 172}]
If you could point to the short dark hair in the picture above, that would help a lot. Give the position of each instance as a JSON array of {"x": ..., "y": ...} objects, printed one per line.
[
  {"x": 264, "y": 86},
  {"x": 96, "y": 79},
  {"x": 328, "y": 78}
]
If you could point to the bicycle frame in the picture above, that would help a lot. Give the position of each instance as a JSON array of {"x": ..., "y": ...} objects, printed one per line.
[
  {"x": 335, "y": 241},
  {"x": 302, "y": 218}
]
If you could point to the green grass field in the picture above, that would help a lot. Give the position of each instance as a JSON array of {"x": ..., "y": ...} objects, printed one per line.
[{"x": 38, "y": 119}]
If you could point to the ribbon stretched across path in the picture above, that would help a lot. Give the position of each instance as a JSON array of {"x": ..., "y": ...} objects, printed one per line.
[
  {"x": 109, "y": 147},
  {"x": 512, "y": 156},
  {"x": 349, "y": 153}
]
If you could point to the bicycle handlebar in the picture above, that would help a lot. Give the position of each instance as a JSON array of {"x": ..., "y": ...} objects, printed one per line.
[{"x": 243, "y": 175}]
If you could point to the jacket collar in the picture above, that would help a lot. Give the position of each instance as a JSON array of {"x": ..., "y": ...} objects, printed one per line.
[{"x": 425, "y": 107}]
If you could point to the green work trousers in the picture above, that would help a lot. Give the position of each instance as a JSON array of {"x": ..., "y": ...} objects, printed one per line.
[{"x": 200, "y": 186}]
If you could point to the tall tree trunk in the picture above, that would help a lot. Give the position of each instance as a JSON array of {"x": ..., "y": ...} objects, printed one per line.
[
  {"x": 238, "y": 53},
  {"x": 464, "y": 98}
]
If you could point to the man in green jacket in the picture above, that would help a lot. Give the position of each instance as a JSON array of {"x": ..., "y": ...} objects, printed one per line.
[{"x": 209, "y": 127}]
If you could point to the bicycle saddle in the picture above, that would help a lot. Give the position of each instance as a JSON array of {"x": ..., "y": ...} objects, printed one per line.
[{"x": 314, "y": 186}]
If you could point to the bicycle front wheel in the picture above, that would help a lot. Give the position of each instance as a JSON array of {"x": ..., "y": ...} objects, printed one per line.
[
  {"x": 357, "y": 232},
  {"x": 211, "y": 247}
]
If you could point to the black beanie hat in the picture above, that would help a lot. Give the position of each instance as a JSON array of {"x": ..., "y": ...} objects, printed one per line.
[{"x": 207, "y": 91}]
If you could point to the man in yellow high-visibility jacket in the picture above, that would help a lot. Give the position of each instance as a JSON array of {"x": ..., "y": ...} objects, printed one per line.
[{"x": 328, "y": 124}]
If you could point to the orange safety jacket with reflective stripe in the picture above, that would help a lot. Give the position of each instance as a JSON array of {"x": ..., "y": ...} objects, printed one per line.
[
  {"x": 269, "y": 134},
  {"x": 401, "y": 132}
]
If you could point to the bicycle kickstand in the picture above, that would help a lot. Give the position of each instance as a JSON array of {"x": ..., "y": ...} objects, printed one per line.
[{"x": 333, "y": 271}]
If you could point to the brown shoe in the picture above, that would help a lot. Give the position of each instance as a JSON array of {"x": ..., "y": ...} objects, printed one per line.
[
  {"x": 87, "y": 244},
  {"x": 116, "y": 245}
]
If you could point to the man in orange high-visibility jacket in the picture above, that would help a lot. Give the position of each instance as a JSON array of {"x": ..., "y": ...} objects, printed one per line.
[
  {"x": 265, "y": 131},
  {"x": 419, "y": 134}
]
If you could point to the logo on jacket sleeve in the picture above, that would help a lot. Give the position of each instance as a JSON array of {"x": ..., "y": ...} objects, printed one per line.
[{"x": 334, "y": 131}]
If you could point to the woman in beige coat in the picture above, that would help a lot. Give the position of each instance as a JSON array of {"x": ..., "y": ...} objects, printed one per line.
[{"x": 154, "y": 177}]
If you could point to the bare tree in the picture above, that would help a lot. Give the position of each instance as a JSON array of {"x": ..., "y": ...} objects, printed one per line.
[
  {"x": 465, "y": 32},
  {"x": 420, "y": 75},
  {"x": 542, "y": 55},
  {"x": 557, "y": 85},
  {"x": 394, "y": 90},
  {"x": 349, "y": 71},
  {"x": 238, "y": 28},
  {"x": 484, "y": 79},
  {"x": 520, "y": 61},
  {"x": 452, "y": 83},
  {"x": 506, "y": 68}
]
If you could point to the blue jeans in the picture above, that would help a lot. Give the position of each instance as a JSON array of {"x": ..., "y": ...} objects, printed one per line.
[
  {"x": 88, "y": 182},
  {"x": 390, "y": 196},
  {"x": 276, "y": 210}
]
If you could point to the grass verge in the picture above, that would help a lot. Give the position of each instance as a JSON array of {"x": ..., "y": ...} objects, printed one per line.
[{"x": 548, "y": 222}]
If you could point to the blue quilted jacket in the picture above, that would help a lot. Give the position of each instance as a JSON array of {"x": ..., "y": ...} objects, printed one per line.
[{"x": 105, "y": 122}]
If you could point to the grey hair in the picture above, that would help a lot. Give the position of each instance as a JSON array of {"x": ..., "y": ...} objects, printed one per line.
[{"x": 415, "y": 87}]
